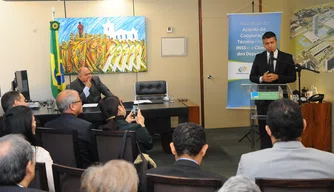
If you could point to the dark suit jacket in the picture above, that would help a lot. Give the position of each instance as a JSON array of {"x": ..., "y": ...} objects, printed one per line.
[
  {"x": 70, "y": 121},
  {"x": 95, "y": 91},
  {"x": 185, "y": 168},
  {"x": 285, "y": 72},
  {"x": 181, "y": 168},
  {"x": 17, "y": 189}
]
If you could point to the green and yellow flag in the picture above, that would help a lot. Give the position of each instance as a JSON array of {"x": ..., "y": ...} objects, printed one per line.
[{"x": 57, "y": 68}]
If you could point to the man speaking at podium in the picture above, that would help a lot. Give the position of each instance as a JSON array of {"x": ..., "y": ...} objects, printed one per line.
[
  {"x": 89, "y": 87},
  {"x": 270, "y": 67}
]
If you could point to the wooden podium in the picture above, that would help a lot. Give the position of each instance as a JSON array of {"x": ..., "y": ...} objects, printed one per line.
[{"x": 318, "y": 130}]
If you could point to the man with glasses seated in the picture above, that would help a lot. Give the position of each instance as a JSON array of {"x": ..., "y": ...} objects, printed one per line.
[
  {"x": 70, "y": 105},
  {"x": 89, "y": 87}
]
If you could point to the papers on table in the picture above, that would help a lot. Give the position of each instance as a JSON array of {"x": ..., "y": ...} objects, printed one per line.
[
  {"x": 136, "y": 102},
  {"x": 90, "y": 105}
]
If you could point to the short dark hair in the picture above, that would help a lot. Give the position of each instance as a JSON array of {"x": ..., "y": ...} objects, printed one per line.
[
  {"x": 14, "y": 160},
  {"x": 109, "y": 106},
  {"x": 109, "y": 109},
  {"x": 8, "y": 99},
  {"x": 285, "y": 120},
  {"x": 189, "y": 138},
  {"x": 18, "y": 120},
  {"x": 268, "y": 35}
]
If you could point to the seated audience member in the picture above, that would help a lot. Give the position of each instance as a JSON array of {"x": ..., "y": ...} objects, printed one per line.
[
  {"x": 189, "y": 147},
  {"x": 115, "y": 114},
  {"x": 17, "y": 164},
  {"x": 288, "y": 158},
  {"x": 70, "y": 106},
  {"x": 12, "y": 99},
  {"x": 239, "y": 184},
  {"x": 20, "y": 120},
  {"x": 89, "y": 87},
  {"x": 114, "y": 176}
]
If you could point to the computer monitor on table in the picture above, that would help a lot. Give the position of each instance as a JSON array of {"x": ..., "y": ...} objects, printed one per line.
[{"x": 21, "y": 83}]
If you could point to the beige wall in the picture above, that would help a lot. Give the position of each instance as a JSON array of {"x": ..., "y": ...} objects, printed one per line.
[
  {"x": 25, "y": 43},
  {"x": 215, "y": 58}
]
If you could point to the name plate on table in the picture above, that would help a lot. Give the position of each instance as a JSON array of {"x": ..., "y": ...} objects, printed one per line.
[{"x": 265, "y": 95}]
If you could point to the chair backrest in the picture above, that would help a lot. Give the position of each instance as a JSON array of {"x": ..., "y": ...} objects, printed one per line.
[
  {"x": 152, "y": 90},
  {"x": 162, "y": 183},
  {"x": 295, "y": 185},
  {"x": 108, "y": 144},
  {"x": 66, "y": 179},
  {"x": 40, "y": 181},
  {"x": 62, "y": 145}
]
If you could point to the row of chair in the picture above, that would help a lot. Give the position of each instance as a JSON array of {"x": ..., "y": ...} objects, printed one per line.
[
  {"x": 67, "y": 179},
  {"x": 162, "y": 183},
  {"x": 63, "y": 145}
]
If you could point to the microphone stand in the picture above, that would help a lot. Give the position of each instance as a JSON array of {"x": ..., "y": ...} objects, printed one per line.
[{"x": 299, "y": 69}]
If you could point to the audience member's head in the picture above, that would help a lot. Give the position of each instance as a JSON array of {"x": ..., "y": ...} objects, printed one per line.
[
  {"x": 189, "y": 141},
  {"x": 17, "y": 163},
  {"x": 19, "y": 120},
  {"x": 110, "y": 107},
  {"x": 284, "y": 121},
  {"x": 12, "y": 99},
  {"x": 114, "y": 176},
  {"x": 84, "y": 74},
  {"x": 239, "y": 184},
  {"x": 68, "y": 101}
]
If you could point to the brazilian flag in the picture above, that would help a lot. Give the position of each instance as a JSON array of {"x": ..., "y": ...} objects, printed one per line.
[{"x": 57, "y": 68}]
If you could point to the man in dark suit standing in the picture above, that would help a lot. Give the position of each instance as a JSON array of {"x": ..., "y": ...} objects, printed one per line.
[
  {"x": 70, "y": 105},
  {"x": 266, "y": 70},
  {"x": 189, "y": 147},
  {"x": 89, "y": 87},
  {"x": 17, "y": 164}
]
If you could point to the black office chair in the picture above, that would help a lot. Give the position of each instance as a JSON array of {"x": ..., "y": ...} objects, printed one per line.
[
  {"x": 163, "y": 183},
  {"x": 108, "y": 144},
  {"x": 40, "y": 180},
  {"x": 63, "y": 145},
  {"x": 295, "y": 185},
  {"x": 151, "y": 90},
  {"x": 66, "y": 179}
]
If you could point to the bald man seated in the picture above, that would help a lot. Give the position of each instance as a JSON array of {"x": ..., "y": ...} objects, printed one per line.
[{"x": 89, "y": 87}]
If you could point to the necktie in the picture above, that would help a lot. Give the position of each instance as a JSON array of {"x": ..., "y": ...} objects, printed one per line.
[{"x": 271, "y": 62}]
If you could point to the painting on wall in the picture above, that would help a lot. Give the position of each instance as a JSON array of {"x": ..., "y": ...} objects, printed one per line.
[
  {"x": 312, "y": 37},
  {"x": 103, "y": 44}
]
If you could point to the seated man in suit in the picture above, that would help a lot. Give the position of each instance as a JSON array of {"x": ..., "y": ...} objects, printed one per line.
[
  {"x": 70, "y": 105},
  {"x": 89, "y": 87},
  {"x": 17, "y": 164},
  {"x": 189, "y": 147},
  {"x": 12, "y": 99},
  {"x": 288, "y": 158}
]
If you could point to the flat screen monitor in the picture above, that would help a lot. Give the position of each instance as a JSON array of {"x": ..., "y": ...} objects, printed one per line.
[{"x": 22, "y": 84}]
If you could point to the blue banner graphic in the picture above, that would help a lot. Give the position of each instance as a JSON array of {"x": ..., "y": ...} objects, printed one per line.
[{"x": 245, "y": 41}]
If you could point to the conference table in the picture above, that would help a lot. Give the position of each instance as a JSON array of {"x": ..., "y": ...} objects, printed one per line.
[{"x": 157, "y": 116}]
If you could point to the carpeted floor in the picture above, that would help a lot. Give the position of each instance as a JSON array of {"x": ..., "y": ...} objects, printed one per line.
[{"x": 223, "y": 154}]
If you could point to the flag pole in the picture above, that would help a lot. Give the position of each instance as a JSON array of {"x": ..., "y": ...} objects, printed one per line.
[
  {"x": 69, "y": 73},
  {"x": 53, "y": 13}
]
